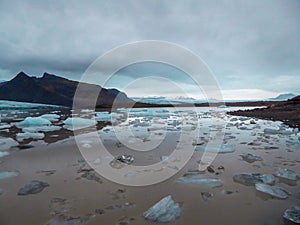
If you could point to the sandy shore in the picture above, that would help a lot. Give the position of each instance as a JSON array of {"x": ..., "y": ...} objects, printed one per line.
[{"x": 105, "y": 202}]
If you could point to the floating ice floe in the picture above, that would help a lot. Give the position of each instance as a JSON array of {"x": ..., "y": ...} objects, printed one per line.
[
  {"x": 51, "y": 117},
  {"x": 225, "y": 148},
  {"x": 274, "y": 191},
  {"x": 164, "y": 211},
  {"x": 28, "y": 135},
  {"x": 87, "y": 110},
  {"x": 293, "y": 214},
  {"x": 287, "y": 174},
  {"x": 7, "y": 143},
  {"x": 41, "y": 128},
  {"x": 254, "y": 178},
  {"x": 33, "y": 122},
  {"x": 33, "y": 187},
  {"x": 76, "y": 123},
  {"x": 280, "y": 131},
  {"x": 223, "y": 106},
  {"x": 109, "y": 117},
  {"x": 199, "y": 181},
  {"x": 250, "y": 158},
  {"x": 4, "y": 126},
  {"x": 8, "y": 174}
]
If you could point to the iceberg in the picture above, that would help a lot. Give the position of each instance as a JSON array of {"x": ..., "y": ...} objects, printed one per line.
[
  {"x": 164, "y": 211},
  {"x": 33, "y": 122},
  {"x": 250, "y": 158},
  {"x": 274, "y": 191},
  {"x": 76, "y": 123},
  {"x": 199, "y": 181},
  {"x": 293, "y": 214},
  {"x": 287, "y": 174},
  {"x": 254, "y": 178},
  {"x": 8, "y": 174}
]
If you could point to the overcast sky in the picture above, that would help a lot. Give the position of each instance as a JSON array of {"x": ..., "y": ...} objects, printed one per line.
[{"x": 252, "y": 47}]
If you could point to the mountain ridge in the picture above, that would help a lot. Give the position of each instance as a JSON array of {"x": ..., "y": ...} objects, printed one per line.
[{"x": 56, "y": 90}]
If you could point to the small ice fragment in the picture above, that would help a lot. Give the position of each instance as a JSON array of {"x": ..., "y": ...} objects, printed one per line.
[
  {"x": 105, "y": 116},
  {"x": 287, "y": 174},
  {"x": 7, "y": 143},
  {"x": 33, "y": 187},
  {"x": 87, "y": 110},
  {"x": 4, "y": 126},
  {"x": 293, "y": 214},
  {"x": 280, "y": 131},
  {"x": 274, "y": 191},
  {"x": 2, "y": 154},
  {"x": 225, "y": 148},
  {"x": 254, "y": 178},
  {"x": 41, "y": 128},
  {"x": 223, "y": 106},
  {"x": 164, "y": 158},
  {"x": 203, "y": 182},
  {"x": 8, "y": 174},
  {"x": 76, "y": 123},
  {"x": 28, "y": 135},
  {"x": 127, "y": 159},
  {"x": 50, "y": 117},
  {"x": 206, "y": 196},
  {"x": 164, "y": 211},
  {"x": 250, "y": 158}
]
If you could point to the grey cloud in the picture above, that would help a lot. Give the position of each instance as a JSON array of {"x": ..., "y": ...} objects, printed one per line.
[{"x": 247, "y": 44}]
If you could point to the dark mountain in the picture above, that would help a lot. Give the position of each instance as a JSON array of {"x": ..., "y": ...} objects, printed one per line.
[
  {"x": 283, "y": 97},
  {"x": 285, "y": 111},
  {"x": 55, "y": 90}
]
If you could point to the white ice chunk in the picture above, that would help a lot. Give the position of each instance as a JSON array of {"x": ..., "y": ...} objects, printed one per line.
[
  {"x": 76, "y": 123},
  {"x": 4, "y": 126},
  {"x": 41, "y": 128},
  {"x": 293, "y": 214},
  {"x": 33, "y": 122},
  {"x": 87, "y": 110},
  {"x": 203, "y": 182},
  {"x": 50, "y": 117},
  {"x": 274, "y": 191},
  {"x": 280, "y": 131},
  {"x": 105, "y": 116},
  {"x": 2, "y": 154},
  {"x": 225, "y": 148},
  {"x": 287, "y": 174},
  {"x": 7, "y": 143},
  {"x": 164, "y": 211},
  {"x": 28, "y": 135}
]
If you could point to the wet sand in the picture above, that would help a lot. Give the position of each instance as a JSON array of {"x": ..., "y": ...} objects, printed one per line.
[{"x": 87, "y": 198}]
